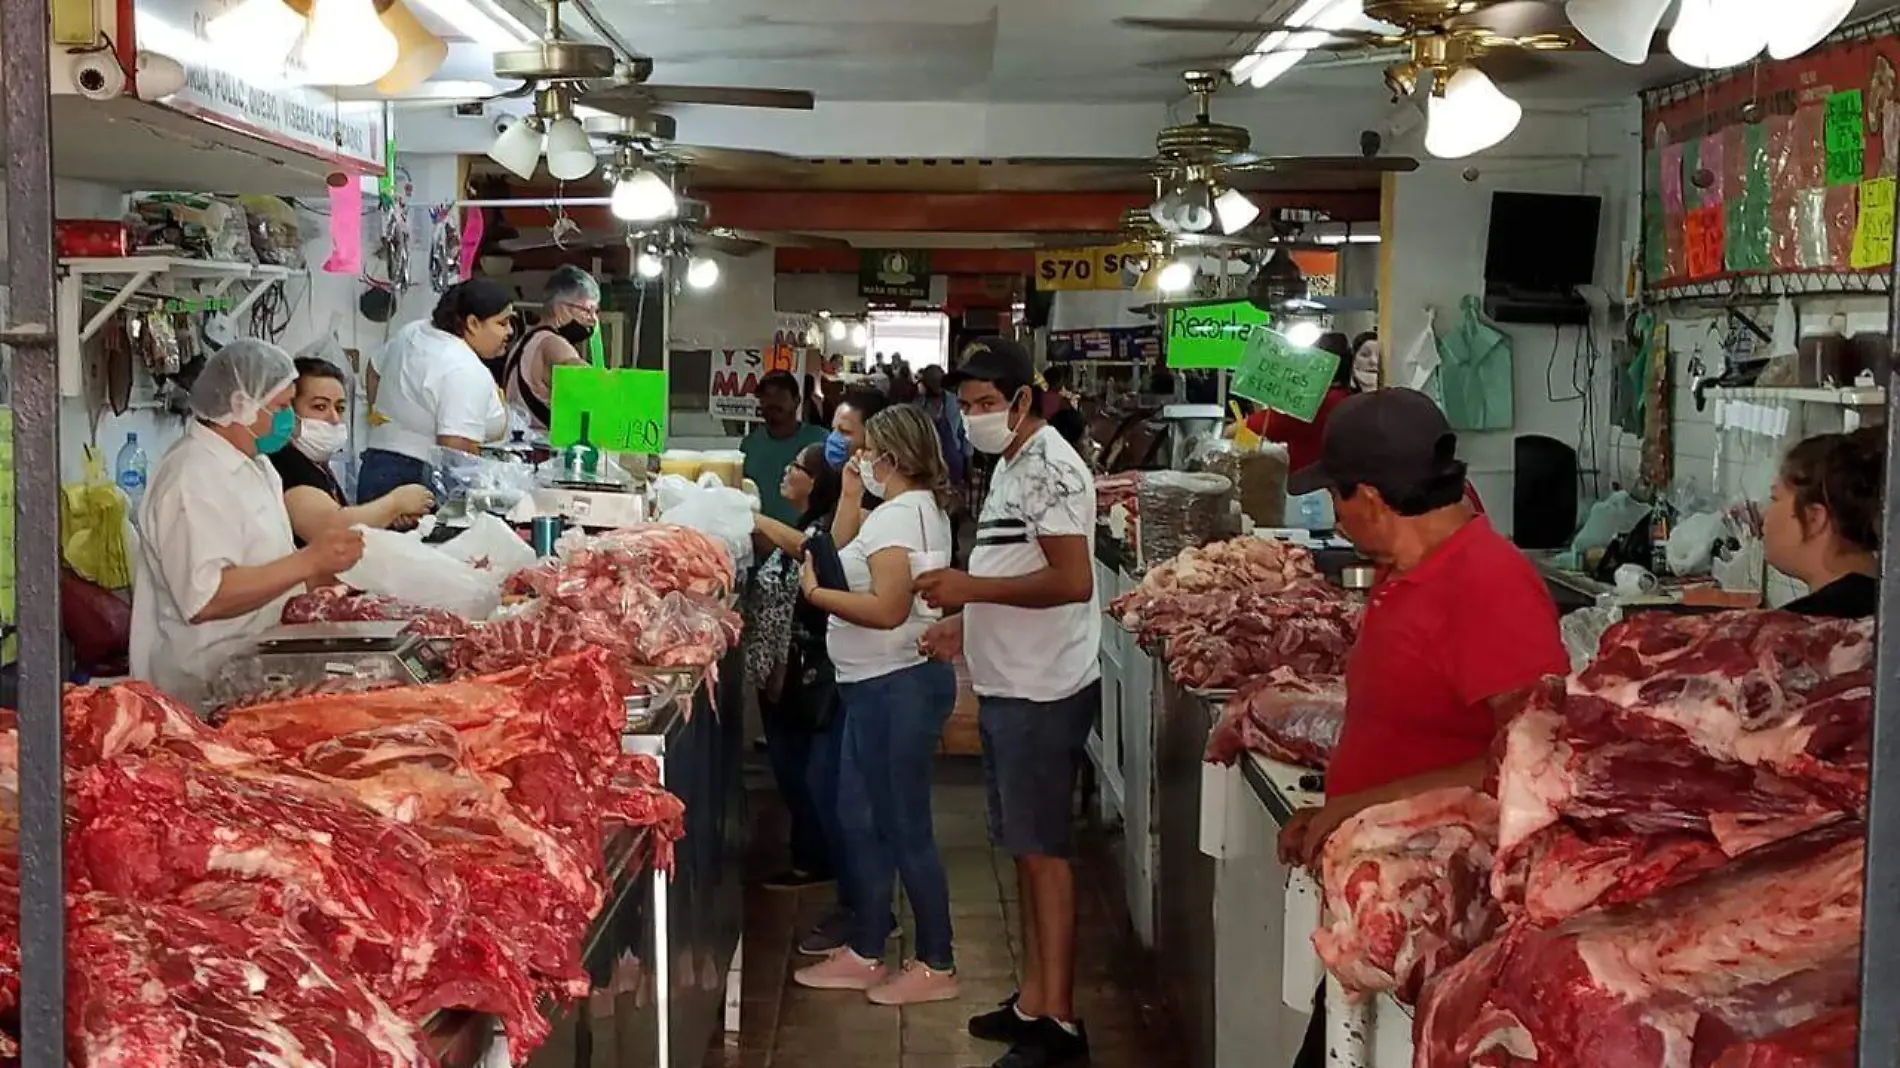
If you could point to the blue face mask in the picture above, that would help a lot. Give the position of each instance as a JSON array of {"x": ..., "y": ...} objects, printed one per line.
[
  {"x": 837, "y": 450},
  {"x": 283, "y": 423}
]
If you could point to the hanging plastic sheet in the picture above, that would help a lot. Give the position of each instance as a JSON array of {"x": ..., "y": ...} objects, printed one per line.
[
  {"x": 1474, "y": 375},
  {"x": 1842, "y": 208},
  {"x": 94, "y": 526},
  {"x": 1655, "y": 244},
  {"x": 1669, "y": 181},
  {"x": 1747, "y": 206},
  {"x": 1811, "y": 228},
  {"x": 1784, "y": 198}
]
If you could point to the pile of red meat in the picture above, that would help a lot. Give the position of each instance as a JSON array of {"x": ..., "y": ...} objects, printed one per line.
[
  {"x": 1122, "y": 488},
  {"x": 1679, "y": 856},
  {"x": 1283, "y": 716},
  {"x": 309, "y": 883},
  {"x": 340, "y": 604},
  {"x": 1233, "y": 610}
]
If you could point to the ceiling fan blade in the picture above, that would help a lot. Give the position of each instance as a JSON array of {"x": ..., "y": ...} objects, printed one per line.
[
  {"x": 1513, "y": 18},
  {"x": 1516, "y": 65},
  {"x": 640, "y": 98},
  {"x": 791, "y": 239},
  {"x": 707, "y": 157},
  {"x": 729, "y": 242},
  {"x": 1139, "y": 164},
  {"x": 541, "y": 238},
  {"x": 1178, "y": 63},
  {"x": 1237, "y": 27},
  {"x": 1284, "y": 164}
]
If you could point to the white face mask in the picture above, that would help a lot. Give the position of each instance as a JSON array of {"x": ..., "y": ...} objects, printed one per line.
[
  {"x": 320, "y": 440},
  {"x": 991, "y": 432},
  {"x": 1365, "y": 367},
  {"x": 867, "y": 471}
]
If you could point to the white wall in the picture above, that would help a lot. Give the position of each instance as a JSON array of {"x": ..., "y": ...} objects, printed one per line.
[{"x": 1437, "y": 247}]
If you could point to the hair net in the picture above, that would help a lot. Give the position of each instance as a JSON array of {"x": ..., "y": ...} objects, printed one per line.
[
  {"x": 569, "y": 284},
  {"x": 238, "y": 379}
]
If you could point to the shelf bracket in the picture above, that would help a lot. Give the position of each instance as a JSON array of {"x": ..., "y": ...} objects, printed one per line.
[{"x": 112, "y": 306}]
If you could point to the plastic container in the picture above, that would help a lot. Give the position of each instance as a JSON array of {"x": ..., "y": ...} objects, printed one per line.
[
  {"x": 130, "y": 470},
  {"x": 728, "y": 464},
  {"x": 686, "y": 463}
]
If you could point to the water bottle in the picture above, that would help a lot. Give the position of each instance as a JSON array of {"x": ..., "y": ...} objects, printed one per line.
[{"x": 131, "y": 469}]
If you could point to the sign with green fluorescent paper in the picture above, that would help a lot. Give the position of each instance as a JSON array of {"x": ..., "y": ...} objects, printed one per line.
[
  {"x": 1282, "y": 376},
  {"x": 625, "y": 410},
  {"x": 1211, "y": 336}
]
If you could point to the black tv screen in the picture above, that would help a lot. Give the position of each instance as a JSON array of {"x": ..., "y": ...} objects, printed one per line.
[{"x": 1541, "y": 243}]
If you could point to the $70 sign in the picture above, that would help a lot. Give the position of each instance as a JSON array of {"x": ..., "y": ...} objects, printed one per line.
[{"x": 1113, "y": 267}]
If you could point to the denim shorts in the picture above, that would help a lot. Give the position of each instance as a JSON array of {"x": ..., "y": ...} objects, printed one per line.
[{"x": 1032, "y": 756}]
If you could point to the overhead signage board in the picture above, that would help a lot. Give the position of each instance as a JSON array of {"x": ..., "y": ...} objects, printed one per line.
[
  {"x": 1282, "y": 376},
  {"x": 894, "y": 274},
  {"x": 231, "y": 90},
  {"x": 735, "y": 383},
  {"x": 625, "y": 410},
  {"x": 1114, "y": 267},
  {"x": 1210, "y": 336}
]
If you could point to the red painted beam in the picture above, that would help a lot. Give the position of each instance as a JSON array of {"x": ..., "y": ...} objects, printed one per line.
[{"x": 942, "y": 260}]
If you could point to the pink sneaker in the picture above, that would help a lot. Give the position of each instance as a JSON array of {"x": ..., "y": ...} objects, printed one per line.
[
  {"x": 843, "y": 970},
  {"x": 916, "y": 984}
]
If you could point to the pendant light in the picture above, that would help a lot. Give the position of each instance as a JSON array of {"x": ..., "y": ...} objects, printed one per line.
[
  {"x": 1176, "y": 277},
  {"x": 1717, "y": 34},
  {"x": 419, "y": 53},
  {"x": 641, "y": 196},
  {"x": 1794, "y": 26},
  {"x": 1621, "y": 29},
  {"x": 1234, "y": 211},
  {"x": 570, "y": 153},
  {"x": 346, "y": 43},
  {"x": 519, "y": 147},
  {"x": 703, "y": 273},
  {"x": 260, "y": 33},
  {"x": 649, "y": 265},
  {"x": 1470, "y": 115}
]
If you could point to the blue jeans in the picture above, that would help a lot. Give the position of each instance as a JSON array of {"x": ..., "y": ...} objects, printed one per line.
[
  {"x": 892, "y": 726},
  {"x": 823, "y": 768},
  {"x": 382, "y": 471}
]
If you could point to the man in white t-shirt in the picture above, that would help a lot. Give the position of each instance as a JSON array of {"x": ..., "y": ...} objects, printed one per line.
[{"x": 1030, "y": 630}]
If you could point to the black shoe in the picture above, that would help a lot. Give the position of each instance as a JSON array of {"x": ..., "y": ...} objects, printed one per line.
[
  {"x": 793, "y": 879},
  {"x": 1046, "y": 1044},
  {"x": 1000, "y": 1025}
]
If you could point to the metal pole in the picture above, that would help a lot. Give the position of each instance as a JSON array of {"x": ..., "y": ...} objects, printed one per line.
[
  {"x": 1880, "y": 932},
  {"x": 25, "y": 108}
]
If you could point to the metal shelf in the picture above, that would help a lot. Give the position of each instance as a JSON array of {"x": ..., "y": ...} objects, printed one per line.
[
  {"x": 1849, "y": 397},
  {"x": 1767, "y": 287}
]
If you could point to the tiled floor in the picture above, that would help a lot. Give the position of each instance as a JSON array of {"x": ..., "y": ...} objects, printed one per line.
[{"x": 787, "y": 1026}]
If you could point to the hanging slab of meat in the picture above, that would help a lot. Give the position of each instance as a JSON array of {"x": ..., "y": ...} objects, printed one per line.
[
  {"x": 155, "y": 985},
  {"x": 1234, "y": 638},
  {"x": 1606, "y": 799},
  {"x": 1282, "y": 716},
  {"x": 101, "y": 722},
  {"x": 1827, "y": 1041},
  {"x": 1763, "y": 945},
  {"x": 1406, "y": 893},
  {"x": 1267, "y": 568}
]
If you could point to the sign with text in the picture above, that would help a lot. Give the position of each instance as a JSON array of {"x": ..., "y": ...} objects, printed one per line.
[
  {"x": 1108, "y": 268},
  {"x": 1873, "y": 231},
  {"x": 894, "y": 274},
  {"x": 1283, "y": 376},
  {"x": 1844, "y": 138},
  {"x": 625, "y": 411},
  {"x": 1210, "y": 336},
  {"x": 735, "y": 383}
]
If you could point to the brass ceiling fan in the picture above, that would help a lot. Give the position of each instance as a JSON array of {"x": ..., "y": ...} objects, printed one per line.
[{"x": 691, "y": 229}]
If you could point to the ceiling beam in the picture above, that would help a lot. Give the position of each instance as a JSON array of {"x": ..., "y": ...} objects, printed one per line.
[{"x": 952, "y": 261}]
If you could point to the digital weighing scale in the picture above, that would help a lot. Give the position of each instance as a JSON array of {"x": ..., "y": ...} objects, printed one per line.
[{"x": 307, "y": 658}]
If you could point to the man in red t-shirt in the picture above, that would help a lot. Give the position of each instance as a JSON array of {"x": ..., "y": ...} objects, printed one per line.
[{"x": 1460, "y": 623}]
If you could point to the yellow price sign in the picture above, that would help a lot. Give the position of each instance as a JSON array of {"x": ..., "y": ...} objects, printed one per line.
[{"x": 1073, "y": 269}]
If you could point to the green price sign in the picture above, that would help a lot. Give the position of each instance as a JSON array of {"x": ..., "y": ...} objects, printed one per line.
[
  {"x": 1211, "y": 336},
  {"x": 1282, "y": 376},
  {"x": 625, "y": 410}
]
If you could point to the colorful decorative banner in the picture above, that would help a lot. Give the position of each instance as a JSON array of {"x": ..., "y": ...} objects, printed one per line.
[
  {"x": 1782, "y": 150},
  {"x": 1873, "y": 232}
]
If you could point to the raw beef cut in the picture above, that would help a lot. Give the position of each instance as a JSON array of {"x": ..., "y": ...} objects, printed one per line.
[
  {"x": 1257, "y": 565},
  {"x": 1614, "y": 785},
  {"x": 657, "y": 556},
  {"x": 102, "y": 722},
  {"x": 154, "y": 985},
  {"x": 1238, "y": 637},
  {"x": 1282, "y": 716},
  {"x": 1406, "y": 893},
  {"x": 1767, "y": 943},
  {"x": 1827, "y": 1041},
  {"x": 341, "y": 604}
]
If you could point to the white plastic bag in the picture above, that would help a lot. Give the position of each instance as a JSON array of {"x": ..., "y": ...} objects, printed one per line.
[
  {"x": 718, "y": 510},
  {"x": 491, "y": 547},
  {"x": 1420, "y": 361},
  {"x": 400, "y": 566}
]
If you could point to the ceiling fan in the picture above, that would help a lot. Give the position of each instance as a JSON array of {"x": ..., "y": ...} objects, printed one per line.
[{"x": 691, "y": 230}]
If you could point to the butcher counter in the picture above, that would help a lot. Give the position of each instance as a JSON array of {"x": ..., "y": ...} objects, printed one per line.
[{"x": 639, "y": 1015}]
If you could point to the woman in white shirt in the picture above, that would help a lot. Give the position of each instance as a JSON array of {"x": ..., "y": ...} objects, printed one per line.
[
  {"x": 216, "y": 562},
  {"x": 895, "y": 703},
  {"x": 428, "y": 388}
]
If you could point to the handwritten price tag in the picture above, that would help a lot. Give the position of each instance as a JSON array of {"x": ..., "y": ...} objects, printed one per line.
[
  {"x": 1873, "y": 234},
  {"x": 1283, "y": 377},
  {"x": 1704, "y": 232},
  {"x": 1846, "y": 140},
  {"x": 626, "y": 410}
]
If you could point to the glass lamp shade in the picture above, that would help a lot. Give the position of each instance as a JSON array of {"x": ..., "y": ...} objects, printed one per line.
[
  {"x": 570, "y": 153},
  {"x": 518, "y": 148},
  {"x": 1794, "y": 26},
  {"x": 346, "y": 43},
  {"x": 1718, "y": 34},
  {"x": 1621, "y": 29},
  {"x": 642, "y": 196},
  {"x": 1470, "y": 116}
]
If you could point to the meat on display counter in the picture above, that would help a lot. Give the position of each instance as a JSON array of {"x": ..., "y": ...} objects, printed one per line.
[{"x": 640, "y": 1015}]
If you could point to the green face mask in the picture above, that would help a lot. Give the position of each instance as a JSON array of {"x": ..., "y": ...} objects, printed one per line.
[{"x": 283, "y": 423}]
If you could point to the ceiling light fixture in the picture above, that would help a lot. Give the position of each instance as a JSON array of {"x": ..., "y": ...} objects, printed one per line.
[
  {"x": 570, "y": 153},
  {"x": 641, "y": 196},
  {"x": 346, "y": 43},
  {"x": 1176, "y": 277},
  {"x": 1717, "y": 34},
  {"x": 837, "y": 330},
  {"x": 702, "y": 273},
  {"x": 419, "y": 53},
  {"x": 1186, "y": 208},
  {"x": 261, "y": 31},
  {"x": 1303, "y": 334},
  {"x": 1794, "y": 26},
  {"x": 1234, "y": 211},
  {"x": 1621, "y": 29},
  {"x": 860, "y": 337},
  {"x": 519, "y": 147},
  {"x": 1467, "y": 113},
  {"x": 647, "y": 265}
]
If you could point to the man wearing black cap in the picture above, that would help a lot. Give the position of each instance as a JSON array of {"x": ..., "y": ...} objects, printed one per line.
[
  {"x": 1030, "y": 631},
  {"x": 1459, "y": 624}
]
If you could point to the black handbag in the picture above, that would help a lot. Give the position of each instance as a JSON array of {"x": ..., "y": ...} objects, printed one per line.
[{"x": 810, "y": 695}]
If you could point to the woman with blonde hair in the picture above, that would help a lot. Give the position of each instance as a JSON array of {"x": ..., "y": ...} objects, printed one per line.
[{"x": 895, "y": 703}]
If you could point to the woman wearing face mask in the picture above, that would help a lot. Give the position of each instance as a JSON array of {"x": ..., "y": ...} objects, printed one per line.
[
  {"x": 428, "y": 388},
  {"x": 571, "y": 304},
  {"x": 311, "y": 494},
  {"x": 1822, "y": 524},
  {"x": 217, "y": 560},
  {"x": 895, "y": 705}
]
